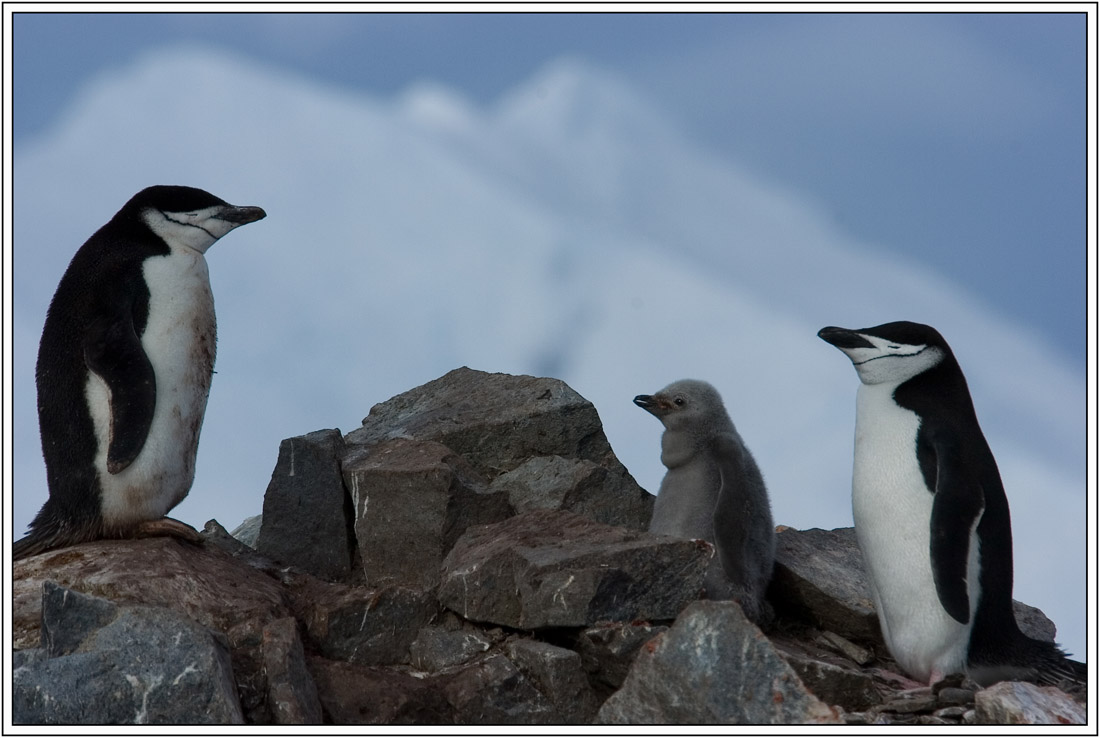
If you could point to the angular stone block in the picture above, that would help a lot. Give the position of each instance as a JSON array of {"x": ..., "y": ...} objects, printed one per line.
[
  {"x": 549, "y": 569},
  {"x": 608, "y": 649},
  {"x": 305, "y": 520},
  {"x": 609, "y": 496},
  {"x": 494, "y": 691},
  {"x": 1023, "y": 703},
  {"x": 411, "y": 502},
  {"x": 494, "y": 421},
  {"x": 371, "y": 695},
  {"x": 819, "y": 576},
  {"x": 369, "y": 627},
  {"x": 291, "y": 693},
  {"x": 558, "y": 674},
  {"x": 713, "y": 666},
  {"x": 142, "y": 665}
]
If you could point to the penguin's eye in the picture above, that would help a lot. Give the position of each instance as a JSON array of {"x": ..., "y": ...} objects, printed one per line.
[{"x": 679, "y": 401}]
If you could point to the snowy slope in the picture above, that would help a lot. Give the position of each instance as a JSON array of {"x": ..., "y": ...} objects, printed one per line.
[{"x": 569, "y": 230}]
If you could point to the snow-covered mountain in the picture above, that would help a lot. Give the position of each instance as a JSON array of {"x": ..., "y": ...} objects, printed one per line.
[{"x": 569, "y": 230}]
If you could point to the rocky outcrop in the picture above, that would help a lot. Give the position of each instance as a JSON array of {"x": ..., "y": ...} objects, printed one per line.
[{"x": 474, "y": 554}]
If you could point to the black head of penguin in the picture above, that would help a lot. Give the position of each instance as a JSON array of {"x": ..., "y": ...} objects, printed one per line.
[
  {"x": 892, "y": 352},
  {"x": 185, "y": 217}
]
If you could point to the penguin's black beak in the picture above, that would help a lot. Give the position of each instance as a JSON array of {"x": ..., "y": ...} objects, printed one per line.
[
  {"x": 242, "y": 215},
  {"x": 645, "y": 401},
  {"x": 843, "y": 338}
]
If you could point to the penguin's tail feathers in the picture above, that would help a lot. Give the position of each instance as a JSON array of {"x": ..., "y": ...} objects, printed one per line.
[
  {"x": 1055, "y": 668},
  {"x": 30, "y": 545},
  {"x": 47, "y": 533}
]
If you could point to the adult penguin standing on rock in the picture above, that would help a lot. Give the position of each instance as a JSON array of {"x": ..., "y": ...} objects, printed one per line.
[
  {"x": 931, "y": 515},
  {"x": 124, "y": 370},
  {"x": 713, "y": 490}
]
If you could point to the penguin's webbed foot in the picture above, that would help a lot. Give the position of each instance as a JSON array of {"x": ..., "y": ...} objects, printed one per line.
[{"x": 167, "y": 527}]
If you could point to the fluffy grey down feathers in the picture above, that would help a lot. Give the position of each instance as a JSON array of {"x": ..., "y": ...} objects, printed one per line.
[{"x": 713, "y": 490}]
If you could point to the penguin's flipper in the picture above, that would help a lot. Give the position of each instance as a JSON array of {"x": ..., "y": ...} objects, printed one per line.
[
  {"x": 113, "y": 351},
  {"x": 956, "y": 509},
  {"x": 725, "y": 450}
]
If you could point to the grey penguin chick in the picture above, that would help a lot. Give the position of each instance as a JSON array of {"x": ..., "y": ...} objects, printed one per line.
[
  {"x": 931, "y": 514},
  {"x": 713, "y": 490},
  {"x": 124, "y": 369}
]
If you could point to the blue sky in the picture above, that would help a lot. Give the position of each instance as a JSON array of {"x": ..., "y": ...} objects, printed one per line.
[{"x": 957, "y": 139}]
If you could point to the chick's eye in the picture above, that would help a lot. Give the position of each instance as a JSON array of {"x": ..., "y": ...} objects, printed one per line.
[{"x": 679, "y": 401}]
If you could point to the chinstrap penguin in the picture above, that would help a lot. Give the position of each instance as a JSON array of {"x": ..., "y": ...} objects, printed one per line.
[
  {"x": 713, "y": 490},
  {"x": 124, "y": 369},
  {"x": 931, "y": 515}
]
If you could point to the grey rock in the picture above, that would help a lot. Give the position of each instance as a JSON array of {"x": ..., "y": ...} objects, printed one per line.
[
  {"x": 1023, "y": 703},
  {"x": 306, "y": 516},
  {"x": 608, "y": 649},
  {"x": 248, "y": 531},
  {"x": 495, "y": 421},
  {"x": 205, "y": 583},
  {"x": 411, "y": 501},
  {"x": 858, "y": 654},
  {"x": 1033, "y": 622},
  {"x": 438, "y": 648},
  {"x": 66, "y": 625},
  {"x": 27, "y": 656},
  {"x": 145, "y": 665},
  {"x": 291, "y": 693},
  {"x": 833, "y": 679},
  {"x": 955, "y": 696},
  {"x": 371, "y": 695},
  {"x": 367, "y": 626},
  {"x": 558, "y": 674},
  {"x": 713, "y": 666},
  {"x": 609, "y": 496},
  {"x": 834, "y": 684},
  {"x": 213, "y": 534},
  {"x": 820, "y": 577},
  {"x": 911, "y": 702},
  {"x": 246, "y": 648},
  {"x": 494, "y": 691},
  {"x": 558, "y": 569}
]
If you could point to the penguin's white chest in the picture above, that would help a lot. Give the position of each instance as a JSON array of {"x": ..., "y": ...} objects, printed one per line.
[
  {"x": 180, "y": 341},
  {"x": 892, "y": 509}
]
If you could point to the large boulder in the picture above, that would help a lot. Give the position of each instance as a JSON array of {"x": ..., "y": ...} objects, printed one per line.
[
  {"x": 140, "y": 665},
  {"x": 713, "y": 666},
  {"x": 411, "y": 501},
  {"x": 307, "y": 515},
  {"x": 549, "y": 569},
  {"x": 500, "y": 422},
  {"x": 819, "y": 576},
  {"x": 203, "y": 583}
]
